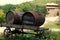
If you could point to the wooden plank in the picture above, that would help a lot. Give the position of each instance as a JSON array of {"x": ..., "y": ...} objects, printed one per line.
[
  {"x": 24, "y": 27},
  {"x": 29, "y": 27},
  {"x": 2, "y": 25}
]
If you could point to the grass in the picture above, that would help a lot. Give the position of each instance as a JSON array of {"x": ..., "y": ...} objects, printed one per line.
[
  {"x": 1, "y": 37},
  {"x": 56, "y": 35},
  {"x": 52, "y": 25},
  {"x": 53, "y": 36}
]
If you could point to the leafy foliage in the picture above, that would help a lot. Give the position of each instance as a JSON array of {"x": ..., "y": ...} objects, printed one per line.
[
  {"x": 41, "y": 9},
  {"x": 25, "y": 7},
  {"x": 43, "y": 2},
  {"x": 53, "y": 36},
  {"x": 28, "y": 6},
  {"x": 2, "y": 16},
  {"x": 8, "y": 7}
]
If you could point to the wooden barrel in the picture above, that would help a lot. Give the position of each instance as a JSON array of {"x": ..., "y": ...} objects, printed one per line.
[
  {"x": 33, "y": 18},
  {"x": 14, "y": 17}
]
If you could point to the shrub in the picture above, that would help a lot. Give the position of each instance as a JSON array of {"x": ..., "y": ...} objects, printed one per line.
[{"x": 2, "y": 16}]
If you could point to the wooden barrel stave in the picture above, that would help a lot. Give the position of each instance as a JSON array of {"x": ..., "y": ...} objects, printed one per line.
[
  {"x": 28, "y": 18},
  {"x": 14, "y": 17},
  {"x": 33, "y": 18}
]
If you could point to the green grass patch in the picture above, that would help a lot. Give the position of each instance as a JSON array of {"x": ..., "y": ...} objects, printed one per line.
[
  {"x": 56, "y": 35},
  {"x": 53, "y": 36},
  {"x": 1, "y": 37}
]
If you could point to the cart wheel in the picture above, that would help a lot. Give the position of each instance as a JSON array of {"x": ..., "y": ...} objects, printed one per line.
[{"x": 7, "y": 34}]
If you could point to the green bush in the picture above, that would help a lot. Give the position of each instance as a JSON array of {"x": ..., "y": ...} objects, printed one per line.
[
  {"x": 8, "y": 7},
  {"x": 28, "y": 6},
  {"x": 41, "y": 9},
  {"x": 2, "y": 16}
]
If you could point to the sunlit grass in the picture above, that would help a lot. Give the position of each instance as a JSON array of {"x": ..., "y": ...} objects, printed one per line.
[{"x": 52, "y": 25}]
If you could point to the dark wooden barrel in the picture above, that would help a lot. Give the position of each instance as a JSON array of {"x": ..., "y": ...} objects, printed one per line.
[
  {"x": 14, "y": 17},
  {"x": 33, "y": 18}
]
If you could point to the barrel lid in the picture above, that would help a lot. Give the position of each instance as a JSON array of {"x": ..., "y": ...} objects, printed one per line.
[{"x": 35, "y": 15}]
